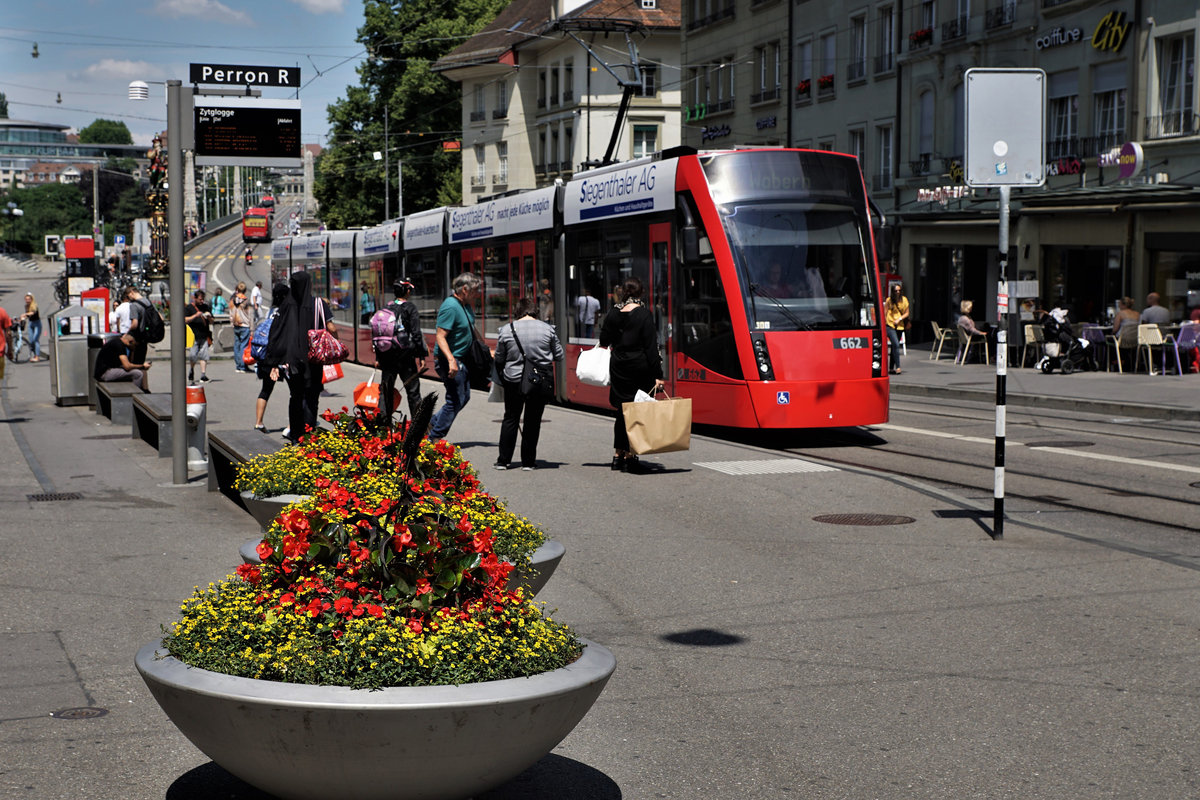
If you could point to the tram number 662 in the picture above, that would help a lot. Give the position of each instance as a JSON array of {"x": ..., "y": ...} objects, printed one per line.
[{"x": 851, "y": 343}]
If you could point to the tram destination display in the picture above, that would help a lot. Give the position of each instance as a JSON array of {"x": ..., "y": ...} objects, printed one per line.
[{"x": 247, "y": 131}]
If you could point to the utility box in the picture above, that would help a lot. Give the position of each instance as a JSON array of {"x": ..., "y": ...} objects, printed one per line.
[{"x": 69, "y": 373}]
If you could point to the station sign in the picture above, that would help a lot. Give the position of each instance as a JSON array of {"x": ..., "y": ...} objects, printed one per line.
[
  {"x": 241, "y": 75},
  {"x": 247, "y": 131}
]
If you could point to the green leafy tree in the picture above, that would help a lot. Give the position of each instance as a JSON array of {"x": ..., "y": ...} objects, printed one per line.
[
  {"x": 126, "y": 165},
  {"x": 52, "y": 208},
  {"x": 424, "y": 109},
  {"x": 3, "y": 106},
  {"x": 105, "y": 131},
  {"x": 130, "y": 205}
]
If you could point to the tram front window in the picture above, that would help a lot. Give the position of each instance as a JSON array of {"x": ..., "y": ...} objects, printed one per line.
[{"x": 801, "y": 267}]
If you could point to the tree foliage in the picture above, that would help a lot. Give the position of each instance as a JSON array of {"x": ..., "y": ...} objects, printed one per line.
[
  {"x": 105, "y": 131},
  {"x": 424, "y": 109},
  {"x": 52, "y": 208}
]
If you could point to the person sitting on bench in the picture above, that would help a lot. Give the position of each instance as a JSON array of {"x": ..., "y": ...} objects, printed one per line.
[{"x": 113, "y": 364}]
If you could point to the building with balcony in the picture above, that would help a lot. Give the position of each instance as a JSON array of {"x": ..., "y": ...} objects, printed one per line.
[{"x": 541, "y": 92}]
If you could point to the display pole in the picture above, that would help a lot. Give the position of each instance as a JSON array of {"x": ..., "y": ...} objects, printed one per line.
[
  {"x": 179, "y": 465},
  {"x": 1002, "y": 312}
]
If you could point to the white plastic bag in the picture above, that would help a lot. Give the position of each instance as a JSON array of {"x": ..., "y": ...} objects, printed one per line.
[
  {"x": 642, "y": 397},
  {"x": 592, "y": 367}
]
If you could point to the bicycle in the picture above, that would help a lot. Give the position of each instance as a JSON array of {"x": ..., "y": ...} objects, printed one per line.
[{"x": 22, "y": 350}]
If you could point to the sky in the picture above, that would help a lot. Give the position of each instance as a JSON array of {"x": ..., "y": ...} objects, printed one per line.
[{"x": 89, "y": 51}]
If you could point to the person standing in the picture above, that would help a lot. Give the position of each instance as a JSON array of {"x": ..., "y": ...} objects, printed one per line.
[
  {"x": 635, "y": 364},
  {"x": 198, "y": 316},
  {"x": 33, "y": 318},
  {"x": 525, "y": 339},
  {"x": 587, "y": 309},
  {"x": 455, "y": 331},
  {"x": 256, "y": 302},
  {"x": 895, "y": 316},
  {"x": 366, "y": 304},
  {"x": 404, "y": 358},
  {"x": 220, "y": 305},
  {"x": 135, "y": 314},
  {"x": 287, "y": 352},
  {"x": 240, "y": 318},
  {"x": 279, "y": 293}
]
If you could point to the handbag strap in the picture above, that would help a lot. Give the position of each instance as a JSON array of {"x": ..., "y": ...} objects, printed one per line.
[
  {"x": 470, "y": 318},
  {"x": 513, "y": 327},
  {"x": 319, "y": 314}
]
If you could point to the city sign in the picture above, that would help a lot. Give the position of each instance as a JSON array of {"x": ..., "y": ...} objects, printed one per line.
[
  {"x": 238, "y": 75},
  {"x": 247, "y": 131}
]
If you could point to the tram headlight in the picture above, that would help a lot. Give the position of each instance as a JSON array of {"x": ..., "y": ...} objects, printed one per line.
[
  {"x": 763, "y": 359},
  {"x": 876, "y": 356}
]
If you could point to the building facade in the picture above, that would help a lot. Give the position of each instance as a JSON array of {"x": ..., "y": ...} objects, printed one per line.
[{"x": 543, "y": 85}]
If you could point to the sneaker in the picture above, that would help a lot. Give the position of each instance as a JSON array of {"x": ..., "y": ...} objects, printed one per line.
[
  {"x": 286, "y": 431},
  {"x": 527, "y": 469},
  {"x": 191, "y": 377},
  {"x": 204, "y": 379},
  {"x": 260, "y": 428},
  {"x": 499, "y": 466}
]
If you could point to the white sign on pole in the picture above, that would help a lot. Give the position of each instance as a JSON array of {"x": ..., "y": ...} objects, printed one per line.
[{"x": 1006, "y": 117}]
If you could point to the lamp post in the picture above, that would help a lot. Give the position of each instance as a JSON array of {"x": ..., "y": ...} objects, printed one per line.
[{"x": 138, "y": 90}]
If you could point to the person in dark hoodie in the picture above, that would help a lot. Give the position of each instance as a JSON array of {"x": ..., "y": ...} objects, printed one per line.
[{"x": 287, "y": 350}]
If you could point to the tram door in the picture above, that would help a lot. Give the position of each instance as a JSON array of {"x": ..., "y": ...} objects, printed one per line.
[
  {"x": 522, "y": 273},
  {"x": 660, "y": 300}
]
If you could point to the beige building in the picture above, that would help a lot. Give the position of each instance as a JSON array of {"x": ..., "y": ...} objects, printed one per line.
[{"x": 542, "y": 90}]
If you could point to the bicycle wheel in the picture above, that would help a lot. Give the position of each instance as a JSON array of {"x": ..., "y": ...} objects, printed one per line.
[{"x": 23, "y": 352}]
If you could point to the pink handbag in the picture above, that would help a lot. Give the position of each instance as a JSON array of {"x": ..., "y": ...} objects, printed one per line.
[{"x": 323, "y": 346}]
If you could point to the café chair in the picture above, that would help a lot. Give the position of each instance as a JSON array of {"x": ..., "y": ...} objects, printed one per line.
[
  {"x": 1126, "y": 338},
  {"x": 1187, "y": 339},
  {"x": 1035, "y": 339},
  {"x": 1149, "y": 337},
  {"x": 940, "y": 337},
  {"x": 965, "y": 342},
  {"x": 1094, "y": 335}
]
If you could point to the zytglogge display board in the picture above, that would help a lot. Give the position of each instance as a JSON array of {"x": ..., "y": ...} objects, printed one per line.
[{"x": 247, "y": 131}]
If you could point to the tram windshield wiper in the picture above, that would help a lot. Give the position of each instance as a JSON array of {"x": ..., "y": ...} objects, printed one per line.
[{"x": 789, "y": 315}]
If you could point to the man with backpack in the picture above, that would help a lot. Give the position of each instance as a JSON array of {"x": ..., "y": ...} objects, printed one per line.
[
  {"x": 146, "y": 325},
  {"x": 399, "y": 348}
]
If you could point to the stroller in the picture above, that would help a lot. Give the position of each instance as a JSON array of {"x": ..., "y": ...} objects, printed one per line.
[{"x": 1063, "y": 350}]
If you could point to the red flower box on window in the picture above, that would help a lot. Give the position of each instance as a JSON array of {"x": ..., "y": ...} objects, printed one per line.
[
  {"x": 920, "y": 37},
  {"x": 825, "y": 82},
  {"x": 804, "y": 86}
]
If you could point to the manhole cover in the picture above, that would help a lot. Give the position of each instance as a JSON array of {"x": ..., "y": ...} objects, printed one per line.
[
  {"x": 90, "y": 712},
  {"x": 52, "y": 496},
  {"x": 1059, "y": 444},
  {"x": 863, "y": 519}
]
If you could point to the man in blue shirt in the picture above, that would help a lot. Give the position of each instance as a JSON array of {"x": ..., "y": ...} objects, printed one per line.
[{"x": 455, "y": 330}]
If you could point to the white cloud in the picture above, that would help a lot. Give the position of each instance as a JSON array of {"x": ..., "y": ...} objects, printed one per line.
[
  {"x": 121, "y": 69},
  {"x": 322, "y": 6},
  {"x": 209, "y": 10}
]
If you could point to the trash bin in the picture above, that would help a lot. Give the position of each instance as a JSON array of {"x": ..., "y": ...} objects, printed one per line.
[
  {"x": 95, "y": 341},
  {"x": 69, "y": 372}
]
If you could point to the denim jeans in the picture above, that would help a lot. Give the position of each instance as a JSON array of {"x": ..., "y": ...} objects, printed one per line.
[
  {"x": 241, "y": 338},
  {"x": 893, "y": 348},
  {"x": 458, "y": 394}
]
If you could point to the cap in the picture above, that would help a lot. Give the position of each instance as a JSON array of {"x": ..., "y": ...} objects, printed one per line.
[{"x": 401, "y": 284}]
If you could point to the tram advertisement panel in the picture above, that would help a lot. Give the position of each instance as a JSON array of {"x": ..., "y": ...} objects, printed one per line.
[
  {"x": 640, "y": 189},
  {"x": 506, "y": 216},
  {"x": 424, "y": 230}
]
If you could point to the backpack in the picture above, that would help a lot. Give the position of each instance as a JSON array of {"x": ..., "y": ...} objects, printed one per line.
[
  {"x": 387, "y": 330},
  {"x": 258, "y": 340},
  {"x": 151, "y": 329}
]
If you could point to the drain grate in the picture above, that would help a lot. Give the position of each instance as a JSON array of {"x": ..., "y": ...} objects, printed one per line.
[
  {"x": 863, "y": 519},
  {"x": 49, "y": 497},
  {"x": 1059, "y": 444},
  {"x": 90, "y": 712},
  {"x": 774, "y": 466}
]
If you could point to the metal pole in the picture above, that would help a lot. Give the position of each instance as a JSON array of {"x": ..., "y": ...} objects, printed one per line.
[
  {"x": 1002, "y": 312},
  {"x": 387, "y": 190},
  {"x": 399, "y": 189},
  {"x": 179, "y": 471}
]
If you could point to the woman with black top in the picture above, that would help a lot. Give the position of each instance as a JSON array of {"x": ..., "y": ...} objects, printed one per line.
[
  {"x": 635, "y": 364},
  {"x": 287, "y": 350}
]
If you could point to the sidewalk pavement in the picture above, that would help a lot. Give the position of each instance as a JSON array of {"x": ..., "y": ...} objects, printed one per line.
[{"x": 763, "y": 651}]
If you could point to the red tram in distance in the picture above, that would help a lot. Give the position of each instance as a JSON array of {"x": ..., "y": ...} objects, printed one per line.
[
  {"x": 759, "y": 266},
  {"x": 256, "y": 225}
]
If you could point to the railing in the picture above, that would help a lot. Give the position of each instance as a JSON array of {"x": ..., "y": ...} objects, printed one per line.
[
  {"x": 856, "y": 71},
  {"x": 477, "y": 180},
  {"x": 765, "y": 95},
  {"x": 553, "y": 100},
  {"x": 720, "y": 105},
  {"x": 921, "y": 165},
  {"x": 1000, "y": 17},
  {"x": 825, "y": 86},
  {"x": 1067, "y": 147},
  {"x": 1169, "y": 125},
  {"x": 500, "y": 113},
  {"x": 541, "y": 102},
  {"x": 954, "y": 29},
  {"x": 885, "y": 63},
  {"x": 500, "y": 179},
  {"x": 478, "y": 116},
  {"x": 922, "y": 37},
  {"x": 568, "y": 96},
  {"x": 564, "y": 166},
  {"x": 540, "y": 168},
  {"x": 1092, "y": 146}
]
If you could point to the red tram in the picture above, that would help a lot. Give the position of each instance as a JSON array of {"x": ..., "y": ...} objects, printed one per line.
[{"x": 759, "y": 265}]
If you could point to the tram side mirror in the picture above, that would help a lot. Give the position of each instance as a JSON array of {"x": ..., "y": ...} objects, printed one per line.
[
  {"x": 691, "y": 244},
  {"x": 883, "y": 244}
]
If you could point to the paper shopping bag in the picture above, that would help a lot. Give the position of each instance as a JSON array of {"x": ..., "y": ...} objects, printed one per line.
[
  {"x": 663, "y": 426},
  {"x": 331, "y": 373}
]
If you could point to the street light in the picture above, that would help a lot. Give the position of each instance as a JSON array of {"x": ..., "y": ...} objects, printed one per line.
[
  {"x": 10, "y": 210},
  {"x": 139, "y": 90}
]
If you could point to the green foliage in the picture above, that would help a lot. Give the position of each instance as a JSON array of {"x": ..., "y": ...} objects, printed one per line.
[
  {"x": 3, "y": 106},
  {"x": 105, "y": 131},
  {"x": 424, "y": 109},
  {"x": 52, "y": 208}
]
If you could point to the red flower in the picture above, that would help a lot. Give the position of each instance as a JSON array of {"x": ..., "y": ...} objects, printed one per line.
[
  {"x": 375, "y": 611},
  {"x": 415, "y": 626},
  {"x": 423, "y": 586},
  {"x": 343, "y": 605},
  {"x": 464, "y": 524},
  {"x": 250, "y": 573},
  {"x": 264, "y": 550}
]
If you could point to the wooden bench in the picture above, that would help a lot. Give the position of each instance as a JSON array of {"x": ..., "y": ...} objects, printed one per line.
[
  {"x": 229, "y": 447},
  {"x": 114, "y": 400},
  {"x": 152, "y": 422}
]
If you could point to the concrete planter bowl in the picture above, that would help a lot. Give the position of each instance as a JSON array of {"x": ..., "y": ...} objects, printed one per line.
[
  {"x": 410, "y": 743},
  {"x": 265, "y": 509},
  {"x": 544, "y": 561}
]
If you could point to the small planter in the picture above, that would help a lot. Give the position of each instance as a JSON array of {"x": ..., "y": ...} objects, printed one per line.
[
  {"x": 265, "y": 509},
  {"x": 544, "y": 561},
  {"x": 411, "y": 743}
]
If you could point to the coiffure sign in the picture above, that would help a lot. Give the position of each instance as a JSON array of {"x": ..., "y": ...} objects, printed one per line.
[
  {"x": 1110, "y": 34},
  {"x": 1059, "y": 37}
]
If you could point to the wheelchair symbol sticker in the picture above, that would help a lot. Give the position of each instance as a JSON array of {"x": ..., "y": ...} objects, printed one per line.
[{"x": 783, "y": 398}]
